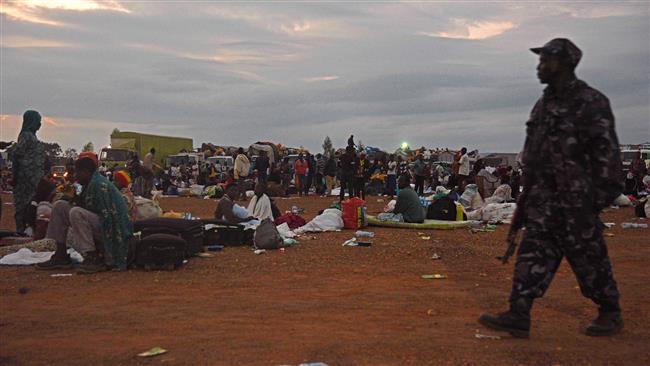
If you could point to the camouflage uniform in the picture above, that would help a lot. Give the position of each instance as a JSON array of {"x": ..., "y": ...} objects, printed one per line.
[{"x": 571, "y": 172}]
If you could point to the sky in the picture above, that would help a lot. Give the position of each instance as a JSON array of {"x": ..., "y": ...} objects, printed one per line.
[{"x": 435, "y": 74}]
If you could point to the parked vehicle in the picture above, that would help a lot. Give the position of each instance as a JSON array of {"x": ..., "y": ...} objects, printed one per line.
[{"x": 124, "y": 145}]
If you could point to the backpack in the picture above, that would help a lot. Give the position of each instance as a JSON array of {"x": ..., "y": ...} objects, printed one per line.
[
  {"x": 160, "y": 252},
  {"x": 267, "y": 236},
  {"x": 442, "y": 209}
]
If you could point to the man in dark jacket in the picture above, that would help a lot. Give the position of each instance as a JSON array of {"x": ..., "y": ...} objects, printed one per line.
[
  {"x": 262, "y": 167},
  {"x": 361, "y": 175},
  {"x": 347, "y": 165}
]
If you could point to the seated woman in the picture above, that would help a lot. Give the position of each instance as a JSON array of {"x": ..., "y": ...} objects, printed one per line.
[
  {"x": 503, "y": 193},
  {"x": 260, "y": 204},
  {"x": 408, "y": 202}
]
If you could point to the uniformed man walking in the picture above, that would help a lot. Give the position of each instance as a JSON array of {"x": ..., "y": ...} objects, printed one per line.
[{"x": 571, "y": 171}]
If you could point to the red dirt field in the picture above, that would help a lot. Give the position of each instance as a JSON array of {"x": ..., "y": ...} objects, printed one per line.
[{"x": 319, "y": 301}]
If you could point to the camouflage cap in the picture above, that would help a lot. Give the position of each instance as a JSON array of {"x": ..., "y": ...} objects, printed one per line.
[{"x": 563, "y": 48}]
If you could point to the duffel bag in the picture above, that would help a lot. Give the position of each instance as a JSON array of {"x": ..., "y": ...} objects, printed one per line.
[
  {"x": 190, "y": 230},
  {"x": 160, "y": 252},
  {"x": 220, "y": 232}
]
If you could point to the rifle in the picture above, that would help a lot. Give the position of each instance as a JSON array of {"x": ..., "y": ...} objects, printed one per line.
[{"x": 517, "y": 223}]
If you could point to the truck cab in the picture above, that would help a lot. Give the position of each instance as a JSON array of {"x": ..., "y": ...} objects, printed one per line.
[
  {"x": 115, "y": 156},
  {"x": 629, "y": 155},
  {"x": 187, "y": 159}
]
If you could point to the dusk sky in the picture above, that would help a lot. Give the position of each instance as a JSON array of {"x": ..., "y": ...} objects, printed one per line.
[{"x": 446, "y": 74}]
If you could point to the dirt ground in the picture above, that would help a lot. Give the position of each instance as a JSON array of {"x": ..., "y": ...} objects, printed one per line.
[{"x": 319, "y": 301}]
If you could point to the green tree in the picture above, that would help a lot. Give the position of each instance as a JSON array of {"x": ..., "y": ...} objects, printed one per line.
[
  {"x": 52, "y": 149},
  {"x": 328, "y": 149},
  {"x": 70, "y": 153},
  {"x": 88, "y": 147}
]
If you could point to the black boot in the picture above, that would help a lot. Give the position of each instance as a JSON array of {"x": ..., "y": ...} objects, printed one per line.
[
  {"x": 59, "y": 260},
  {"x": 515, "y": 321},
  {"x": 607, "y": 323},
  {"x": 92, "y": 264}
]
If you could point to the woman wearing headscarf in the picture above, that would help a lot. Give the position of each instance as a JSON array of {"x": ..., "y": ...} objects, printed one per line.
[{"x": 28, "y": 158}]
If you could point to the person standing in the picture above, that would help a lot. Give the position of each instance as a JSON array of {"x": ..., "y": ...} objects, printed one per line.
[
  {"x": 330, "y": 174},
  {"x": 571, "y": 171},
  {"x": 262, "y": 167},
  {"x": 391, "y": 176},
  {"x": 311, "y": 169},
  {"x": 241, "y": 169},
  {"x": 28, "y": 158},
  {"x": 346, "y": 172},
  {"x": 418, "y": 170},
  {"x": 362, "y": 173},
  {"x": 320, "y": 172},
  {"x": 300, "y": 168},
  {"x": 463, "y": 169},
  {"x": 285, "y": 175},
  {"x": 148, "y": 160}
]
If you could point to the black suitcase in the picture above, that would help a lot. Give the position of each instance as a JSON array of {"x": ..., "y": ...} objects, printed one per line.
[
  {"x": 190, "y": 230},
  {"x": 160, "y": 252},
  {"x": 220, "y": 232}
]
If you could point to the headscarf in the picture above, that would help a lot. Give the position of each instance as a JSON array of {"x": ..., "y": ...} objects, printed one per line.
[
  {"x": 31, "y": 122},
  {"x": 122, "y": 179}
]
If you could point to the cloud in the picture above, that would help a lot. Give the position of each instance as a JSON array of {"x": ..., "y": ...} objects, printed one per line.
[
  {"x": 321, "y": 78},
  {"x": 36, "y": 11},
  {"x": 473, "y": 30},
  {"x": 30, "y": 42},
  {"x": 230, "y": 74}
]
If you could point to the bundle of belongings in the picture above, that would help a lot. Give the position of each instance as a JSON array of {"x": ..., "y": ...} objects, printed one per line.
[{"x": 494, "y": 209}]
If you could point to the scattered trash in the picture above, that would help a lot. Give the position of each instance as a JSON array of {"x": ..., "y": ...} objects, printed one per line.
[
  {"x": 313, "y": 364},
  {"x": 259, "y": 251},
  {"x": 425, "y": 237},
  {"x": 350, "y": 242},
  {"x": 483, "y": 274},
  {"x": 282, "y": 249},
  {"x": 364, "y": 243},
  {"x": 609, "y": 225},
  {"x": 22, "y": 290},
  {"x": 153, "y": 352},
  {"x": 296, "y": 210},
  {"x": 61, "y": 275},
  {"x": 480, "y": 228},
  {"x": 609, "y": 234},
  {"x": 420, "y": 234},
  {"x": 432, "y": 312},
  {"x": 380, "y": 200},
  {"x": 214, "y": 248},
  {"x": 290, "y": 241},
  {"x": 364, "y": 234},
  {"x": 434, "y": 276},
  {"x": 485, "y": 336},
  {"x": 435, "y": 256},
  {"x": 205, "y": 255},
  {"x": 633, "y": 225}
]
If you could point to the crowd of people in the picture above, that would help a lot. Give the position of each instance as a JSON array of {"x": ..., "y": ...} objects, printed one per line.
[{"x": 569, "y": 175}]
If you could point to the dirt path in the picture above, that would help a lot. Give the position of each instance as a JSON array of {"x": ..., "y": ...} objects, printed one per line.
[{"x": 319, "y": 301}]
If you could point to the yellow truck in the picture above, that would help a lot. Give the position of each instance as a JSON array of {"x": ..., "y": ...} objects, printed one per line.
[{"x": 125, "y": 145}]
